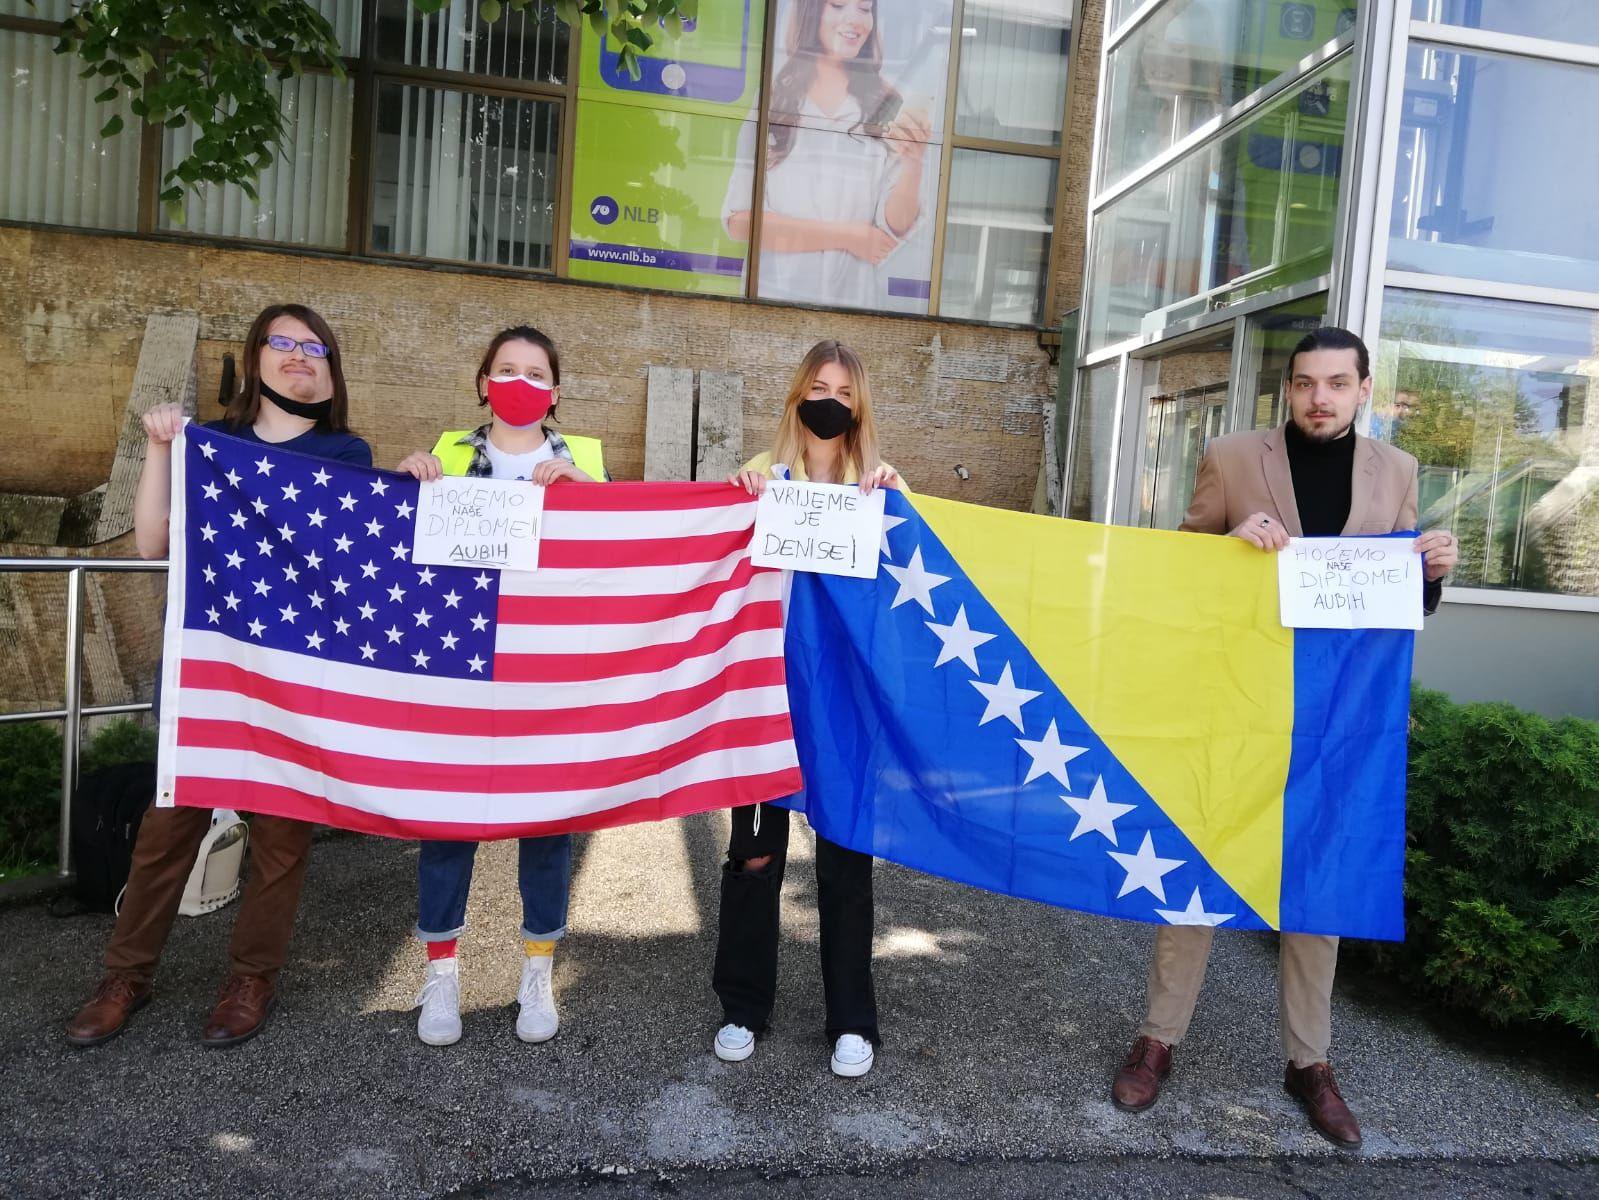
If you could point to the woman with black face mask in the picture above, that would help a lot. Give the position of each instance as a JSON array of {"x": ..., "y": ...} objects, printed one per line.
[
  {"x": 826, "y": 435},
  {"x": 292, "y": 395}
]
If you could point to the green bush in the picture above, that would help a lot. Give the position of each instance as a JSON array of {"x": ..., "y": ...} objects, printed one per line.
[
  {"x": 30, "y": 782},
  {"x": 1502, "y": 865}
]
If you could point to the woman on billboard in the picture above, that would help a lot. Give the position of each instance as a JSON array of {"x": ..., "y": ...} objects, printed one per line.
[{"x": 844, "y": 162}]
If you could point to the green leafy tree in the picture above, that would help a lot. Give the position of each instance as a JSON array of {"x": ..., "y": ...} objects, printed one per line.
[{"x": 208, "y": 63}]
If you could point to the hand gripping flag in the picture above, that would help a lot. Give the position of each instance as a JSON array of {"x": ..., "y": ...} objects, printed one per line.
[
  {"x": 1107, "y": 719},
  {"x": 313, "y": 671}
]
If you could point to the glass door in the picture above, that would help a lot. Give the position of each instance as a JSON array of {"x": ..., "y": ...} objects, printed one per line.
[{"x": 1184, "y": 392}]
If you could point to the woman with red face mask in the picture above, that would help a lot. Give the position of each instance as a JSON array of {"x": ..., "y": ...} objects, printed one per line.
[{"x": 520, "y": 381}]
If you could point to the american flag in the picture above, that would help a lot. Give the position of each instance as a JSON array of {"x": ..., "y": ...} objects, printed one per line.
[{"x": 314, "y": 671}]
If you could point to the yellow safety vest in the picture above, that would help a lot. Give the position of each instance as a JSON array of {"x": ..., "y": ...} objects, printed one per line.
[{"x": 455, "y": 455}]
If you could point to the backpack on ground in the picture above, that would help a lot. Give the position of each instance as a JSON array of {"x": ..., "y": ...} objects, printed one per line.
[{"x": 106, "y": 812}]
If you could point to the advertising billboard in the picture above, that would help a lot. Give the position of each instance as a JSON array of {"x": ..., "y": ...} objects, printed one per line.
[{"x": 653, "y": 156}]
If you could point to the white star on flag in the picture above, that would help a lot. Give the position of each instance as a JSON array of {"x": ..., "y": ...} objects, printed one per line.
[
  {"x": 1050, "y": 757},
  {"x": 343, "y": 543},
  {"x": 1145, "y": 869},
  {"x": 347, "y": 502},
  {"x": 420, "y": 659},
  {"x": 379, "y": 487},
  {"x": 316, "y": 518},
  {"x": 404, "y": 509},
  {"x": 210, "y": 575},
  {"x": 207, "y": 449},
  {"x": 426, "y": 576},
  {"x": 341, "y": 585},
  {"x": 262, "y": 587},
  {"x": 232, "y": 477},
  {"x": 482, "y": 581},
  {"x": 207, "y": 532},
  {"x": 291, "y": 493},
  {"x": 212, "y": 491},
  {"x": 448, "y": 641},
  {"x": 232, "y": 601},
  {"x": 313, "y": 560},
  {"x": 396, "y": 593},
  {"x": 321, "y": 477},
  {"x": 1096, "y": 814},
  {"x": 264, "y": 547},
  {"x": 451, "y": 598},
  {"x": 366, "y": 611},
  {"x": 313, "y": 641},
  {"x": 394, "y": 635},
  {"x": 235, "y": 559},
  {"x": 286, "y": 532},
  {"x": 368, "y": 650},
  {"x": 287, "y": 613},
  {"x": 888, "y": 524},
  {"x": 263, "y": 466},
  {"x": 1194, "y": 914},
  {"x": 238, "y": 520},
  {"x": 423, "y": 616},
  {"x": 475, "y": 663},
  {"x": 1004, "y": 698},
  {"x": 916, "y": 582},
  {"x": 212, "y": 615},
  {"x": 260, "y": 506},
  {"x": 399, "y": 550},
  {"x": 291, "y": 573},
  {"x": 959, "y": 641},
  {"x": 316, "y": 600},
  {"x": 369, "y": 569},
  {"x": 374, "y": 527},
  {"x": 340, "y": 625},
  {"x": 257, "y": 629},
  {"x": 480, "y": 623}
]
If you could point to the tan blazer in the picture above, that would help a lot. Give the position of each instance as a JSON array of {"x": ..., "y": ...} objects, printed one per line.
[{"x": 1247, "y": 473}]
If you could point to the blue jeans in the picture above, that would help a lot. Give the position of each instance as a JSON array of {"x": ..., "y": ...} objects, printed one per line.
[{"x": 543, "y": 873}]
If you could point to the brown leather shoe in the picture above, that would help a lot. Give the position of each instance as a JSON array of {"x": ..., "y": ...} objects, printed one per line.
[
  {"x": 1138, "y": 1081},
  {"x": 1317, "y": 1091},
  {"x": 106, "y": 1014},
  {"x": 241, "y": 1011}
]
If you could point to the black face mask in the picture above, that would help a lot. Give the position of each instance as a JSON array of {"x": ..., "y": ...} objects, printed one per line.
[
  {"x": 317, "y": 410},
  {"x": 826, "y": 417}
]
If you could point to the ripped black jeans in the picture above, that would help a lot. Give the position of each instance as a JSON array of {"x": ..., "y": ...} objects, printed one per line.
[{"x": 745, "y": 974}]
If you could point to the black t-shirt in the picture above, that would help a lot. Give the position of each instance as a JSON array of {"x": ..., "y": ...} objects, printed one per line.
[
  {"x": 337, "y": 447},
  {"x": 1324, "y": 475}
]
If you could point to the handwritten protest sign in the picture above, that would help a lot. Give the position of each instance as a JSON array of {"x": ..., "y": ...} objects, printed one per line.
[
  {"x": 1350, "y": 583},
  {"x": 466, "y": 522},
  {"x": 829, "y": 528}
]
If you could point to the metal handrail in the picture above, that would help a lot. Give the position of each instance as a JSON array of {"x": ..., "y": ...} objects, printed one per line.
[{"x": 73, "y": 713}]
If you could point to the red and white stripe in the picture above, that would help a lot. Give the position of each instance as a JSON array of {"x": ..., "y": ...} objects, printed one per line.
[{"x": 638, "y": 675}]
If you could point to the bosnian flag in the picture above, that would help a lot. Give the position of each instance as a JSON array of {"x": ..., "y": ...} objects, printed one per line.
[{"x": 313, "y": 671}]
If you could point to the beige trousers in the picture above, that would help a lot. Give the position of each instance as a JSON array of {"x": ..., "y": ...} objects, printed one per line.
[{"x": 1304, "y": 988}]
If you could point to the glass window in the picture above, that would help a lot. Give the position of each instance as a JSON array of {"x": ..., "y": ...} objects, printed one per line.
[
  {"x": 1013, "y": 71},
  {"x": 302, "y": 195},
  {"x": 1120, "y": 10},
  {"x": 461, "y": 175},
  {"x": 1088, "y": 492},
  {"x": 996, "y": 236},
  {"x": 1185, "y": 406},
  {"x": 1495, "y": 400},
  {"x": 345, "y": 17},
  {"x": 1253, "y": 210},
  {"x": 1476, "y": 129},
  {"x": 54, "y": 165},
  {"x": 1558, "y": 20},
  {"x": 1273, "y": 336},
  {"x": 529, "y": 44},
  {"x": 1194, "y": 58}
]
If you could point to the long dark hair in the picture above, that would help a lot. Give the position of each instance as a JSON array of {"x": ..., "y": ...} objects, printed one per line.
[
  {"x": 878, "y": 100},
  {"x": 519, "y": 333},
  {"x": 246, "y": 403}
]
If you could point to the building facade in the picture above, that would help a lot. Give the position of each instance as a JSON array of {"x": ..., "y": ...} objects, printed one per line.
[
  {"x": 1414, "y": 170},
  {"x": 467, "y": 175}
]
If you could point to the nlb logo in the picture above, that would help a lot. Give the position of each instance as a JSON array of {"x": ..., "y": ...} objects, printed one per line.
[{"x": 605, "y": 211}]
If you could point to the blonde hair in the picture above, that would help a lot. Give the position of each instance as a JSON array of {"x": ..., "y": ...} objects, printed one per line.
[{"x": 860, "y": 443}]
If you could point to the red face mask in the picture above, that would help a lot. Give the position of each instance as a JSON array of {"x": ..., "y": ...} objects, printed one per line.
[{"x": 518, "y": 401}]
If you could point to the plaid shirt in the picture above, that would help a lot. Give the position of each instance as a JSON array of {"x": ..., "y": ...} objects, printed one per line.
[{"x": 482, "y": 466}]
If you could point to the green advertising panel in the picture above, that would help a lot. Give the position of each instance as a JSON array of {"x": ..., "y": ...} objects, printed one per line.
[{"x": 661, "y": 160}]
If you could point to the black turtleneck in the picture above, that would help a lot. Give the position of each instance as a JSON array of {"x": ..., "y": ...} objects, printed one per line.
[{"x": 1323, "y": 474}]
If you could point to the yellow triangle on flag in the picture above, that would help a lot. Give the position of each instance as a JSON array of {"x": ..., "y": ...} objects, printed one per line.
[{"x": 1170, "y": 646}]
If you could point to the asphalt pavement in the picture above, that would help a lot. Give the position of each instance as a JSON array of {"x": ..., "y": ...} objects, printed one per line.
[{"x": 1003, "y": 1021}]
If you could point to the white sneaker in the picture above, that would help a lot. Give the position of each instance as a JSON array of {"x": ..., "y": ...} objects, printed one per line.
[
  {"x": 734, "y": 1043},
  {"x": 852, "y": 1056},
  {"x": 439, "y": 1023},
  {"x": 537, "y": 1022}
]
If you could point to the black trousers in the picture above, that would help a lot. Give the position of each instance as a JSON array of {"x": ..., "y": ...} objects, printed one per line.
[{"x": 745, "y": 974}]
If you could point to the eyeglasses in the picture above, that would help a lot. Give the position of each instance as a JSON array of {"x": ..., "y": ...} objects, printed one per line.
[{"x": 287, "y": 345}]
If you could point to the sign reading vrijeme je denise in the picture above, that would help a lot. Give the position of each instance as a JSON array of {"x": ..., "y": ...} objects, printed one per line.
[
  {"x": 827, "y": 527},
  {"x": 1350, "y": 583},
  {"x": 466, "y": 522}
]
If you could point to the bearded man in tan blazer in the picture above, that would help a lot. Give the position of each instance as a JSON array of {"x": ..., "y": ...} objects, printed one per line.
[{"x": 1312, "y": 477}]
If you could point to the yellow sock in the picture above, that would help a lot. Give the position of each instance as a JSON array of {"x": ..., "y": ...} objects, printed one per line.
[{"x": 535, "y": 949}]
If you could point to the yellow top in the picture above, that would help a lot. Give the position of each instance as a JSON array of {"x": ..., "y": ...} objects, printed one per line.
[{"x": 762, "y": 462}]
